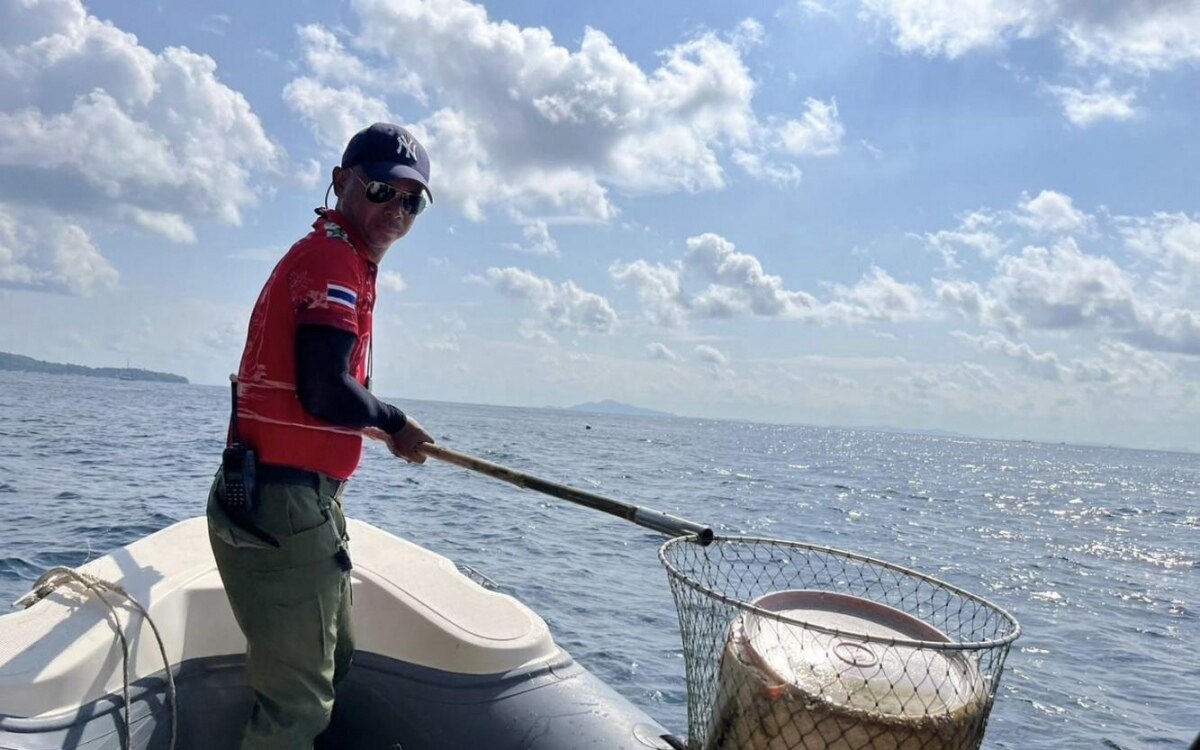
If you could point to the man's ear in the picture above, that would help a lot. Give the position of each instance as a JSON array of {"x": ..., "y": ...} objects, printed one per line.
[{"x": 339, "y": 177}]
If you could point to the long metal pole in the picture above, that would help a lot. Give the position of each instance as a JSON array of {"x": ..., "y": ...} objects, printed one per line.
[{"x": 651, "y": 519}]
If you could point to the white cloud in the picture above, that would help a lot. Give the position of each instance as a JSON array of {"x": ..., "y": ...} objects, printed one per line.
[
  {"x": 529, "y": 330},
  {"x": 169, "y": 225},
  {"x": 329, "y": 62},
  {"x": 877, "y": 298},
  {"x": 392, "y": 281},
  {"x": 563, "y": 305},
  {"x": 1138, "y": 37},
  {"x": 41, "y": 251},
  {"x": 758, "y": 166},
  {"x": 742, "y": 285},
  {"x": 658, "y": 288},
  {"x": 1115, "y": 364},
  {"x": 1060, "y": 287},
  {"x": 815, "y": 8},
  {"x": 1143, "y": 36},
  {"x": 737, "y": 284},
  {"x": 1172, "y": 241},
  {"x": 658, "y": 350},
  {"x": 1086, "y": 108},
  {"x": 818, "y": 132},
  {"x": 711, "y": 355},
  {"x": 1063, "y": 287},
  {"x": 520, "y": 119},
  {"x": 969, "y": 299},
  {"x": 538, "y": 239},
  {"x": 976, "y": 231},
  {"x": 945, "y": 242},
  {"x": 954, "y": 27},
  {"x": 151, "y": 140},
  {"x": 335, "y": 114},
  {"x": 1051, "y": 212},
  {"x": 1043, "y": 365},
  {"x": 442, "y": 345}
]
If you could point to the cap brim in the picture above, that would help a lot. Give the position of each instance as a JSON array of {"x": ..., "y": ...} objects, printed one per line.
[{"x": 388, "y": 171}]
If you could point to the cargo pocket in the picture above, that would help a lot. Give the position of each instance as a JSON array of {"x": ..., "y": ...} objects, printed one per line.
[
  {"x": 318, "y": 544},
  {"x": 291, "y": 619}
]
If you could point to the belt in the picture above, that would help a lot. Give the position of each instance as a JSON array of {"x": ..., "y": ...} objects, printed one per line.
[{"x": 274, "y": 474}]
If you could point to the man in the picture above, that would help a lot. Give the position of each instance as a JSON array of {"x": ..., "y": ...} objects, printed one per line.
[{"x": 302, "y": 403}]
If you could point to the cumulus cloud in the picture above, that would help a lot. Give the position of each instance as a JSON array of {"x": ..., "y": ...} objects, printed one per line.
[
  {"x": 563, "y": 305},
  {"x": 530, "y": 331},
  {"x": 329, "y": 61},
  {"x": 43, "y": 252},
  {"x": 1043, "y": 365},
  {"x": 520, "y": 119},
  {"x": 818, "y": 132},
  {"x": 737, "y": 284},
  {"x": 711, "y": 355},
  {"x": 741, "y": 285},
  {"x": 1061, "y": 286},
  {"x": 935, "y": 27},
  {"x": 1048, "y": 288},
  {"x": 100, "y": 126},
  {"x": 1086, "y": 108},
  {"x": 538, "y": 240},
  {"x": 971, "y": 300},
  {"x": 982, "y": 230},
  {"x": 659, "y": 288},
  {"x": 976, "y": 232},
  {"x": 392, "y": 281},
  {"x": 1121, "y": 37},
  {"x": 334, "y": 114},
  {"x": 1133, "y": 36},
  {"x": 658, "y": 350},
  {"x": 1172, "y": 242},
  {"x": 1051, "y": 212},
  {"x": 876, "y": 298},
  {"x": 1114, "y": 363}
]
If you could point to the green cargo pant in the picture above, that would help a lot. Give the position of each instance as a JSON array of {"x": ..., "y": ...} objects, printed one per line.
[{"x": 293, "y": 605}]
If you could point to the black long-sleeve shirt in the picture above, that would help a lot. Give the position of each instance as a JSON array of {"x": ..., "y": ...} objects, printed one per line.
[{"x": 326, "y": 388}]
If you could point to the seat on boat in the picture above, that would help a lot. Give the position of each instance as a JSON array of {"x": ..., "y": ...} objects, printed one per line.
[{"x": 410, "y": 604}]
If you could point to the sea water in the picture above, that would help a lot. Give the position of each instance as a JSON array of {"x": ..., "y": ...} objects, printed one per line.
[{"x": 1095, "y": 550}]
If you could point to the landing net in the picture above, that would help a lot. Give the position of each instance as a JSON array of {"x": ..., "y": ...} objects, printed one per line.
[{"x": 792, "y": 646}]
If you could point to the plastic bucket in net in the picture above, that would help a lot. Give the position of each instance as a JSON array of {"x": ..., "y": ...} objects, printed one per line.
[{"x": 792, "y": 646}]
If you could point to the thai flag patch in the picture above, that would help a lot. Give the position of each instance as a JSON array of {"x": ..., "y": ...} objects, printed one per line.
[{"x": 340, "y": 295}]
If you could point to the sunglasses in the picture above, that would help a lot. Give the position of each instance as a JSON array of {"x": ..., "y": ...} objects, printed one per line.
[{"x": 381, "y": 192}]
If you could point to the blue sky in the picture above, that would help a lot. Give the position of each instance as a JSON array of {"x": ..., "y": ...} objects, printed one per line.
[{"x": 977, "y": 216}]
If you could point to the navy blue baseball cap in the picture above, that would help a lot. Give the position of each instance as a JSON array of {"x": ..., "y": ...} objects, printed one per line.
[{"x": 388, "y": 152}]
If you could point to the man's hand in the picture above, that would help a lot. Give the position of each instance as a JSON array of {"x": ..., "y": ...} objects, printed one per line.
[{"x": 403, "y": 444}]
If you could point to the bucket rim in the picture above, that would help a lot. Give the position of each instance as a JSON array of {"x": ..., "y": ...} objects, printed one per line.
[{"x": 981, "y": 645}]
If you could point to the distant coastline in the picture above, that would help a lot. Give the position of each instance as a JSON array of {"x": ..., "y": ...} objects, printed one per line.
[
  {"x": 21, "y": 363},
  {"x": 615, "y": 407}
]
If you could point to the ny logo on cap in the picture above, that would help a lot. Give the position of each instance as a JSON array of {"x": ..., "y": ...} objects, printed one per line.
[{"x": 406, "y": 147}]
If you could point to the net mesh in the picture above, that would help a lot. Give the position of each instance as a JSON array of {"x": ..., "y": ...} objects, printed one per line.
[{"x": 792, "y": 646}]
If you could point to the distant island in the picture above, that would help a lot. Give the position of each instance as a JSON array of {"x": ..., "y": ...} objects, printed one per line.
[
  {"x": 616, "y": 407},
  {"x": 28, "y": 364}
]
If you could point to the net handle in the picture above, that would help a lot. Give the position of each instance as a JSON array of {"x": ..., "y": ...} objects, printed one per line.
[{"x": 649, "y": 518}]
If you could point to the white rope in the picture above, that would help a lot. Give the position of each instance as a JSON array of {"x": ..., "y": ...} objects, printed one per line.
[{"x": 55, "y": 577}]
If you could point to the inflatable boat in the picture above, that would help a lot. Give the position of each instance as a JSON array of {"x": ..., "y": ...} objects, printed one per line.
[{"x": 442, "y": 661}]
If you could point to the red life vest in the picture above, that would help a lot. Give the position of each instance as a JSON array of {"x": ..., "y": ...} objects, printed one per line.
[{"x": 324, "y": 279}]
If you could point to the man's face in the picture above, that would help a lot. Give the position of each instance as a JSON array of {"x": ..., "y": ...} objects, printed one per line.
[{"x": 380, "y": 224}]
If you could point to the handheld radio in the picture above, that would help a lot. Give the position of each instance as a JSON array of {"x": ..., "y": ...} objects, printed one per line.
[{"x": 239, "y": 466}]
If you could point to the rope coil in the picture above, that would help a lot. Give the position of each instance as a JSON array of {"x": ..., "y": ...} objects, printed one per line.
[{"x": 55, "y": 577}]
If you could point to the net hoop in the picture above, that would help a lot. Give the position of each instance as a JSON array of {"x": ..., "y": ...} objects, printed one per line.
[{"x": 687, "y": 580}]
